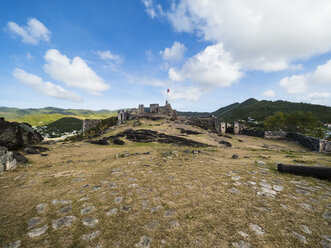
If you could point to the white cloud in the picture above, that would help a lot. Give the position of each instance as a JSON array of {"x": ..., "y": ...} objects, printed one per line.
[
  {"x": 75, "y": 72},
  {"x": 322, "y": 74},
  {"x": 190, "y": 93},
  {"x": 151, "y": 10},
  {"x": 174, "y": 53},
  {"x": 46, "y": 88},
  {"x": 296, "y": 84},
  {"x": 34, "y": 32},
  {"x": 107, "y": 55},
  {"x": 261, "y": 35},
  {"x": 316, "y": 97},
  {"x": 299, "y": 83},
  {"x": 269, "y": 93},
  {"x": 213, "y": 67}
]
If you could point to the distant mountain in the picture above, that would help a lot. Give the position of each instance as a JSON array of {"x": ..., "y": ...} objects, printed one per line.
[
  {"x": 259, "y": 110},
  {"x": 44, "y": 116}
]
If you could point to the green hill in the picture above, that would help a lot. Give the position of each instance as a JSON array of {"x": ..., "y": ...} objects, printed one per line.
[
  {"x": 45, "y": 116},
  {"x": 260, "y": 110},
  {"x": 65, "y": 124}
]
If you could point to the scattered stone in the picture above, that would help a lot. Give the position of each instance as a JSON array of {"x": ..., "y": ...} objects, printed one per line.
[
  {"x": 326, "y": 241},
  {"x": 260, "y": 162},
  {"x": 252, "y": 183},
  {"x": 87, "y": 237},
  {"x": 168, "y": 213},
  {"x": 90, "y": 222},
  {"x": 118, "y": 199},
  {"x": 144, "y": 242},
  {"x": 65, "y": 221},
  {"x": 243, "y": 234},
  {"x": 126, "y": 208},
  {"x": 284, "y": 206},
  {"x": 33, "y": 222},
  {"x": 235, "y": 178},
  {"x": 265, "y": 192},
  {"x": 301, "y": 191},
  {"x": 327, "y": 215},
  {"x": 112, "y": 185},
  {"x": 155, "y": 209},
  {"x": 113, "y": 192},
  {"x": 265, "y": 185},
  {"x": 257, "y": 229},
  {"x": 96, "y": 187},
  {"x": 145, "y": 204},
  {"x": 305, "y": 229},
  {"x": 87, "y": 210},
  {"x": 154, "y": 224},
  {"x": 112, "y": 212},
  {"x": 37, "y": 231},
  {"x": 242, "y": 244},
  {"x": 65, "y": 209},
  {"x": 306, "y": 206},
  {"x": 234, "y": 190},
  {"x": 235, "y": 156},
  {"x": 61, "y": 202},
  {"x": 300, "y": 237},
  {"x": 84, "y": 199},
  {"x": 78, "y": 180},
  {"x": 41, "y": 207},
  {"x": 174, "y": 223},
  {"x": 15, "y": 244},
  {"x": 277, "y": 187}
]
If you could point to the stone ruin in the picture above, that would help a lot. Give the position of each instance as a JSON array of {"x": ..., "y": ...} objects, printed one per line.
[
  {"x": 154, "y": 110},
  {"x": 89, "y": 123}
]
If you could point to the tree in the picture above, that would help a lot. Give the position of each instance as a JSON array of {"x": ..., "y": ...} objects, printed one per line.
[{"x": 275, "y": 122}]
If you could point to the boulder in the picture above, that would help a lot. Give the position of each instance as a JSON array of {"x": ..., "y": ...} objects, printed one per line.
[
  {"x": 7, "y": 160},
  {"x": 15, "y": 135}
]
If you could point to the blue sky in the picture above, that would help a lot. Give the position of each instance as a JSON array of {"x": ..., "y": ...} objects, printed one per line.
[{"x": 118, "y": 54}]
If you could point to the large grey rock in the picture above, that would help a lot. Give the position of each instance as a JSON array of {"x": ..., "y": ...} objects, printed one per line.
[
  {"x": 7, "y": 160},
  {"x": 65, "y": 221},
  {"x": 37, "y": 231},
  {"x": 34, "y": 222},
  {"x": 144, "y": 242},
  {"x": 15, "y": 135},
  {"x": 15, "y": 244}
]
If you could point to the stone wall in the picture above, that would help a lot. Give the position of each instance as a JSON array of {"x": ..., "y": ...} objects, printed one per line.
[
  {"x": 208, "y": 123},
  {"x": 252, "y": 132},
  {"x": 89, "y": 123},
  {"x": 275, "y": 135},
  {"x": 315, "y": 144}
]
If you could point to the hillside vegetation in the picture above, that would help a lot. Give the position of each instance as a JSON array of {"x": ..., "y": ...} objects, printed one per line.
[
  {"x": 45, "y": 116},
  {"x": 260, "y": 110}
]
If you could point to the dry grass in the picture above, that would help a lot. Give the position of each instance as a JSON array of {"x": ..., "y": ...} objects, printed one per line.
[{"x": 193, "y": 187}]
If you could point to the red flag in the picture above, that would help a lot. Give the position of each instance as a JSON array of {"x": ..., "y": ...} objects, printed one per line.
[{"x": 168, "y": 90}]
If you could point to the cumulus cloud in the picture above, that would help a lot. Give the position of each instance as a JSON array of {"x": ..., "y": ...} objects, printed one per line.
[
  {"x": 260, "y": 35},
  {"x": 269, "y": 93},
  {"x": 174, "y": 53},
  {"x": 151, "y": 10},
  {"x": 317, "y": 97},
  {"x": 46, "y": 88},
  {"x": 75, "y": 72},
  {"x": 107, "y": 55},
  {"x": 322, "y": 74},
  {"x": 213, "y": 67},
  {"x": 299, "y": 83},
  {"x": 189, "y": 93},
  {"x": 296, "y": 84},
  {"x": 32, "y": 33}
]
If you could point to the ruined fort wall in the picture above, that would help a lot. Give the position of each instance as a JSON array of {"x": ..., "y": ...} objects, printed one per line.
[{"x": 89, "y": 123}]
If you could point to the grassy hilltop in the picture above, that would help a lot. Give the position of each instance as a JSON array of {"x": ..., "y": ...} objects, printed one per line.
[{"x": 161, "y": 195}]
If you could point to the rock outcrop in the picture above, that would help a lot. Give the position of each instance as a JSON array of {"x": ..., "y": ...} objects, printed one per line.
[
  {"x": 15, "y": 135},
  {"x": 7, "y": 160}
]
